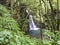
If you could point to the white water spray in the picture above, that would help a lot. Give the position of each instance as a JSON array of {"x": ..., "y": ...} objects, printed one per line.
[{"x": 32, "y": 25}]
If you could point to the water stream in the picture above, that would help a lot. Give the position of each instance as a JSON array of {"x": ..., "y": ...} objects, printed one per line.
[
  {"x": 34, "y": 31},
  {"x": 32, "y": 25}
]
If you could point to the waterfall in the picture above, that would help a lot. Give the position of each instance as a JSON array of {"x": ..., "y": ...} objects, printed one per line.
[
  {"x": 32, "y": 25},
  {"x": 34, "y": 31}
]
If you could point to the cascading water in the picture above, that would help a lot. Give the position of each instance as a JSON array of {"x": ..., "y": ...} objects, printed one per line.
[
  {"x": 34, "y": 31},
  {"x": 32, "y": 25}
]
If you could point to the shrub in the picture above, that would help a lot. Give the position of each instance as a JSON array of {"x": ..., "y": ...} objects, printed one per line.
[
  {"x": 4, "y": 12},
  {"x": 8, "y": 23},
  {"x": 8, "y": 37}
]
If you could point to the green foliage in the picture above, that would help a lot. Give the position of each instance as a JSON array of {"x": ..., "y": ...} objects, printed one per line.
[
  {"x": 9, "y": 31},
  {"x": 8, "y": 23},
  {"x": 4, "y": 12},
  {"x": 44, "y": 11},
  {"x": 11, "y": 38},
  {"x": 51, "y": 38}
]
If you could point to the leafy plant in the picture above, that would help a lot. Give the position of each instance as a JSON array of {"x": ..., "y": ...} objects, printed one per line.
[
  {"x": 4, "y": 12},
  {"x": 51, "y": 38},
  {"x": 9, "y": 31}
]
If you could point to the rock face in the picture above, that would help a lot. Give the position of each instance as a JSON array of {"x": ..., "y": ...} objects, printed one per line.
[{"x": 34, "y": 31}]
